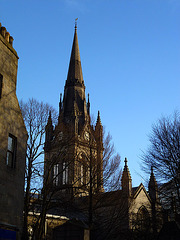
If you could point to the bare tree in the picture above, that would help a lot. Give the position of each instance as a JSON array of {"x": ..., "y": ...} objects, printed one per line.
[
  {"x": 95, "y": 200},
  {"x": 163, "y": 155},
  {"x": 35, "y": 115},
  {"x": 87, "y": 198},
  {"x": 111, "y": 165}
]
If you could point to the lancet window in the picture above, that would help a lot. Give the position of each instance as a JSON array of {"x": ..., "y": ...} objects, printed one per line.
[
  {"x": 82, "y": 169},
  {"x": 65, "y": 172},
  {"x": 56, "y": 174},
  {"x": 143, "y": 218},
  {"x": 11, "y": 151}
]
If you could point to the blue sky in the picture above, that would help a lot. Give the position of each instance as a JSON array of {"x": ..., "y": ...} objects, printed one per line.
[{"x": 130, "y": 54}]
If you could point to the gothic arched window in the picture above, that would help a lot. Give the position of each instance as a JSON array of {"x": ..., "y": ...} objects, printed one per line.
[
  {"x": 143, "y": 218},
  {"x": 82, "y": 169},
  {"x": 56, "y": 174}
]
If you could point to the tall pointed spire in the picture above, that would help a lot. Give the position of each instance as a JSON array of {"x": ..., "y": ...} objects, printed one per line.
[
  {"x": 75, "y": 75},
  {"x": 74, "y": 100}
]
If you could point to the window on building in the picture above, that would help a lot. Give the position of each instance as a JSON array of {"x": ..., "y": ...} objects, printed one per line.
[
  {"x": 1, "y": 85},
  {"x": 82, "y": 169},
  {"x": 11, "y": 151},
  {"x": 65, "y": 173},
  {"x": 143, "y": 219},
  {"x": 56, "y": 174},
  {"x": 83, "y": 174}
]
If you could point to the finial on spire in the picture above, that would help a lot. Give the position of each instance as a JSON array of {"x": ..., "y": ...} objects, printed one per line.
[
  {"x": 76, "y": 23},
  {"x": 125, "y": 161}
]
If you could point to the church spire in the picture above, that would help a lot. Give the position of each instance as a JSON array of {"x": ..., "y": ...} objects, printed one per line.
[
  {"x": 74, "y": 100},
  {"x": 75, "y": 71}
]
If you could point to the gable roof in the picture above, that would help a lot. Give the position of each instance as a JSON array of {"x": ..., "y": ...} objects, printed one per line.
[{"x": 139, "y": 189}]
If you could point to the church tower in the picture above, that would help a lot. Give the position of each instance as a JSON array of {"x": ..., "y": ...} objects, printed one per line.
[{"x": 74, "y": 148}]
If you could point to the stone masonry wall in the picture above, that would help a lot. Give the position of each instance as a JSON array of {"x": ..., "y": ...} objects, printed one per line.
[{"x": 11, "y": 122}]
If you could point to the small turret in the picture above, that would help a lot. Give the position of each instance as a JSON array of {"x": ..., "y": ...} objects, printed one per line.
[
  {"x": 153, "y": 193},
  {"x": 99, "y": 129},
  {"x": 153, "y": 187},
  {"x": 60, "y": 104},
  {"x": 49, "y": 131},
  {"x": 88, "y": 106},
  {"x": 99, "y": 141},
  {"x": 60, "y": 109},
  {"x": 98, "y": 119},
  {"x": 126, "y": 180}
]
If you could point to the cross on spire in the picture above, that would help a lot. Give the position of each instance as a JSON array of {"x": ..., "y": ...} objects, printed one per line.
[{"x": 76, "y": 23}]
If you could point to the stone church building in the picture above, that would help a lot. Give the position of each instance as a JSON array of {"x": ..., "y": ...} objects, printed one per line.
[
  {"x": 13, "y": 138},
  {"x": 73, "y": 169},
  {"x": 73, "y": 199}
]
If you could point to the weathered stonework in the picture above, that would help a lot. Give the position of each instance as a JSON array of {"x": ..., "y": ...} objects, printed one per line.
[{"x": 11, "y": 122}]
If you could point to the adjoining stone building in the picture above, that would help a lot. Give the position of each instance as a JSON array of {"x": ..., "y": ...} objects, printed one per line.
[{"x": 13, "y": 139}]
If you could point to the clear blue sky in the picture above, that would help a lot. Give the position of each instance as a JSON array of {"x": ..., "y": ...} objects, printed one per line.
[{"x": 130, "y": 54}]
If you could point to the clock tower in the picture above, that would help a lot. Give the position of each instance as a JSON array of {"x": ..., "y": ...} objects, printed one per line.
[{"x": 74, "y": 147}]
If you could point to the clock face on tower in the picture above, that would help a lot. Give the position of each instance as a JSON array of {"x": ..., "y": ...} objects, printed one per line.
[{"x": 86, "y": 136}]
